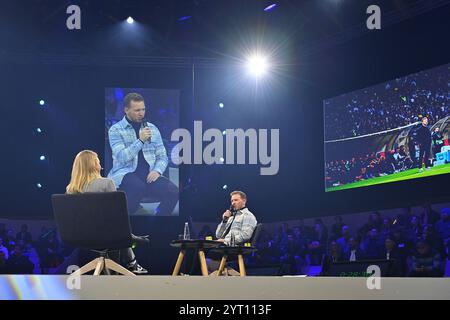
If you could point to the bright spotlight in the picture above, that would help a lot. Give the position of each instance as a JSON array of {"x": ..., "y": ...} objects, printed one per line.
[
  {"x": 224, "y": 132},
  {"x": 257, "y": 65},
  {"x": 222, "y": 160},
  {"x": 38, "y": 130},
  {"x": 221, "y": 105},
  {"x": 39, "y": 185},
  {"x": 130, "y": 20},
  {"x": 225, "y": 187},
  {"x": 42, "y": 158},
  {"x": 41, "y": 102}
]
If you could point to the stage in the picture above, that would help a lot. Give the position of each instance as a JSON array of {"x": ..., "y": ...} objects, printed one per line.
[{"x": 49, "y": 287}]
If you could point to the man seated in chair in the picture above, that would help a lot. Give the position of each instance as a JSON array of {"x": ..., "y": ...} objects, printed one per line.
[
  {"x": 237, "y": 225},
  {"x": 86, "y": 178}
]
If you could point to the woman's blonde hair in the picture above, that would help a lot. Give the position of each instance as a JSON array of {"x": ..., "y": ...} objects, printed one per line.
[{"x": 83, "y": 171}]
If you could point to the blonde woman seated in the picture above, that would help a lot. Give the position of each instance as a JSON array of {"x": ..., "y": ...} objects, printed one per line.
[{"x": 86, "y": 178}]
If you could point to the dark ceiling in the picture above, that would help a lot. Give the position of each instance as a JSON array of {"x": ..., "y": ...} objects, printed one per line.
[{"x": 213, "y": 29}]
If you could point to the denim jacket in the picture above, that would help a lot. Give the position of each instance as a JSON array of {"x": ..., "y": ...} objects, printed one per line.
[{"x": 125, "y": 147}]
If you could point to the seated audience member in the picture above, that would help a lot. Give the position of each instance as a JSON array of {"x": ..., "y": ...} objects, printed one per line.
[
  {"x": 374, "y": 222},
  {"x": 386, "y": 227},
  {"x": 18, "y": 262},
  {"x": 288, "y": 259},
  {"x": 414, "y": 229},
  {"x": 430, "y": 235},
  {"x": 4, "y": 250},
  {"x": 49, "y": 252},
  {"x": 428, "y": 215},
  {"x": 268, "y": 253},
  {"x": 391, "y": 252},
  {"x": 442, "y": 227},
  {"x": 333, "y": 255},
  {"x": 3, "y": 269},
  {"x": 404, "y": 218},
  {"x": 2, "y": 230},
  {"x": 300, "y": 247},
  {"x": 24, "y": 235},
  {"x": 354, "y": 251},
  {"x": 343, "y": 241},
  {"x": 372, "y": 245},
  {"x": 317, "y": 243},
  {"x": 336, "y": 229},
  {"x": 9, "y": 241},
  {"x": 426, "y": 262}
]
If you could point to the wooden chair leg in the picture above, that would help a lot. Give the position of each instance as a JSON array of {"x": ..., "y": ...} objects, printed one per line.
[
  {"x": 110, "y": 264},
  {"x": 87, "y": 267},
  {"x": 231, "y": 272},
  {"x": 100, "y": 266},
  {"x": 202, "y": 258},
  {"x": 241, "y": 266},
  {"x": 223, "y": 263},
  {"x": 214, "y": 273},
  {"x": 180, "y": 258}
]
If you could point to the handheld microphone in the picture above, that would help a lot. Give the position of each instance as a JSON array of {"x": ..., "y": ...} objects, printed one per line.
[
  {"x": 232, "y": 212},
  {"x": 144, "y": 125}
]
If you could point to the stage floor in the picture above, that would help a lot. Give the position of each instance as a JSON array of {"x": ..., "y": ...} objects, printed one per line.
[{"x": 14, "y": 287}]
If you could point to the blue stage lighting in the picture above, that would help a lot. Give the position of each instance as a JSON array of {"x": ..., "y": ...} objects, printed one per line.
[
  {"x": 184, "y": 18},
  {"x": 41, "y": 102},
  {"x": 130, "y": 20},
  {"x": 42, "y": 158},
  {"x": 271, "y": 7}
]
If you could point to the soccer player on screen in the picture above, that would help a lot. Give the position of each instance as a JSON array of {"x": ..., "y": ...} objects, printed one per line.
[
  {"x": 438, "y": 141},
  {"x": 423, "y": 139}
]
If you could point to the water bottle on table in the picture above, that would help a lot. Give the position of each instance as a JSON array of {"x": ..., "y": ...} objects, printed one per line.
[{"x": 186, "y": 233}]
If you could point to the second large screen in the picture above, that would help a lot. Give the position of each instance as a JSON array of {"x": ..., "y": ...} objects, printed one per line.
[{"x": 393, "y": 131}]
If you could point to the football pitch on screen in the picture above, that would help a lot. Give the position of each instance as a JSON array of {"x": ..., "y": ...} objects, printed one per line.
[{"x": 404, "y": 175}]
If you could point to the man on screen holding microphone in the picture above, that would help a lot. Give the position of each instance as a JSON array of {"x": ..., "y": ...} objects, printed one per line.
[{"x": 140, "y": 159}]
